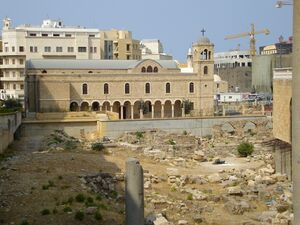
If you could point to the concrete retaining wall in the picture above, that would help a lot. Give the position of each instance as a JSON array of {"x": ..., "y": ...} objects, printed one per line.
[
  {"x": 196, "y": 126},
  {"x": 9, "y": 123},
  {"x": 75, "y": 129}
]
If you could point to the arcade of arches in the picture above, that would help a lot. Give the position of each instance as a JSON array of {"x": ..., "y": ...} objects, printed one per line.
[{"x": 134, "y": 110}]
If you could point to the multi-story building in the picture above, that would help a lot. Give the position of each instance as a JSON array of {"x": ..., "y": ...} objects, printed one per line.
[
  {"x": 118, "y": 44},
  {"x": 153, "y": 49},
  {"x": 235, "y": 67},
  {"x": 133, "y": 88},
  {"x": 53, "y": 40}
]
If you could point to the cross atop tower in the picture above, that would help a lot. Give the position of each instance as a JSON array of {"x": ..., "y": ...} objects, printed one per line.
[{"x": 203, "y": 32}]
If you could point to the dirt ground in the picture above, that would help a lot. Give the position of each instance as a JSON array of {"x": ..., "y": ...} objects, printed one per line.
[{"x": 36, "y": 187}]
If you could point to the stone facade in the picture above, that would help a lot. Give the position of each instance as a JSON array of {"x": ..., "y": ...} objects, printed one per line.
[{"x": 134, "y": 89}]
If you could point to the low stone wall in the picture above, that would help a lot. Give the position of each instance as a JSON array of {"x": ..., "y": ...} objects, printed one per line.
[
  {"x": 195, "y": 126},
  {"x": 9, "y": 123}
]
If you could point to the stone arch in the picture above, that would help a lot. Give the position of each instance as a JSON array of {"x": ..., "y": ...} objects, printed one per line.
[
  {"x": 143, "y": 70},
  {"x": 147, "y": 111},
  {"x": 95, "y": 106},
  {"x": 168, "y": 109},
  {"x": 155, "y": 69},
  {"x": 249, "y": 127},
  {"x": 157, "y": 109},
  {"x": 127, "y": 110},
  {"x": 84, "y": 106},
  {"x": 136, "y": 110},
  {"x": 149, "y": 69},
  {"x": 228, "y": 128},
  {"x": 117, "y": 108},
  {"x": 177, "y": 109},
  {"x": 204, "y": 54},
  {"x": 74, "y": 107},
  {"x": 205, "y": 70},
  {"x": 106, "y": 106}
]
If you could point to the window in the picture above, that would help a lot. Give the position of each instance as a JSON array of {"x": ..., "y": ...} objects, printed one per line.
[
  {"x": 59, "y": 49},
  {"x": 21, "y": 48},
  {"x": 191, "y": 87},
  {"x": 6, "y": 49},
  {"x": 70, "y": 49},
  {"x": 168, "y": 88},
  {"x": 205, "y": 70},
  {"x": 33, "y": 49},
  {"x": 149, "y": 69},
  {"x": 106, "y": 89},
  {"x": 155, "y": 70},
  {"x": 81, "y": 49},
  {"x": 95, "y": 49},
  {"x": 84, "y": 89},
  {"x": 21, "y": 61},
  {"x": 143, "y": 69},
  {"x": 128, "y": 57},
  {"x": 32, "y": 34},
  {"x": 13, "y": 61},
  {"x": 56, "y": 35},
  {"x": 128, "y": 47},
  {"x": 68, "y": 35},
  {"x": 147, "y": 88},
  {"x": 47, "y": 49},
  {"x": 14, "y": 86},
  {"x": 22, "y": 86},
  {"x": 92, "y": 35},
  {"x": 13, "y": 48},
  {"x": 44, "y": 35},
  {"x": 127, "y": 88}
]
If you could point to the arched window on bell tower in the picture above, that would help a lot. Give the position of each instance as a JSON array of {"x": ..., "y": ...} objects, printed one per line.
[{"x": 205, "y": 70}]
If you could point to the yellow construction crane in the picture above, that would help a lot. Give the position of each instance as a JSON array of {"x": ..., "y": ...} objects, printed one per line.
[{"x": 252, "y": 33}]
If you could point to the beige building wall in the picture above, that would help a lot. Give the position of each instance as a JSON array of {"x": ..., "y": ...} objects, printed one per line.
[{"x": 282, "y": 98}]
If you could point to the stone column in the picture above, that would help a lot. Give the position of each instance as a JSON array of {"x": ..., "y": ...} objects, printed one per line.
[
  {"x": 162, "y": 111},
  {"x": 223, "y": 110},
  {"x": 183, "y": 112},
  {"x": 134, "y": 193},
  {"x": 262, "y": 109},
  {"x": 122, "y": 114},
  {"x": 173, "y": 113},
  {"x": 152, "y": 111},
  {"x": 243, "y": 109},
  {"x": 131, "y": 108},
  {"x": 295, "y": 113},
  {"x": 141, "y": 114}
]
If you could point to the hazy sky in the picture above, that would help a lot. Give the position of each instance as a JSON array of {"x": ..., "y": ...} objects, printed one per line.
[{"x": 177, "y": 23}]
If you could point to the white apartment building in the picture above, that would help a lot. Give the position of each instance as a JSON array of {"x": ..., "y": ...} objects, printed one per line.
[
  {"x": 153, "y": 49},
  {"x": 51, "y": 40},
  {"x": 232, "y": 59}
]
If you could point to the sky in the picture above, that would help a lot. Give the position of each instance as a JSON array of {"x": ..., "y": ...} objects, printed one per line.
[{"x": 177, "y": 23}]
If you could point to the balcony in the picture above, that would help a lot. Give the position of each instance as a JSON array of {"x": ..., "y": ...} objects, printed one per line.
[
  {"x": 12, "y": 66},
  {"x": 12, "y": 78},
  {"x": 12, "y": 54}
]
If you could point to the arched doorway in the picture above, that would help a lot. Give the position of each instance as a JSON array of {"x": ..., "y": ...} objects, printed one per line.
[
  {"x": 117, "y": 108},
  {"x": 168, "y": 109},
  {"x": 106, "y": 106},
  {"x": 127, "y": 110},
  {"x": 96, "y": 106},
  {"x": 157, "y": 109},
  {"x": 84, "y": 106},
  {"x": 147, "y": 111},
  {"x": 74, "y": 107},
  {"x": 136, "y": 110},
  {"x": 177, "y": 109}
]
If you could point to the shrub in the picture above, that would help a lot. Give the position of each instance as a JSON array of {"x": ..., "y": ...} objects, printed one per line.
[
  {"x": 45, "y": 212},
  {"x": 171, "y": 142},
  {"x": 99, "y": 197},
  {"x": 244, "y": 149},
  {"x": 184, "y": 132},
  {"x": 24, "y": 222},
  {"x": 189, "y": 197},
  {"x": 67, "y": 209},
  {"x": 98, "y": 146},
  {"x": 139, "y": 135},
  {"x": 79, "y": 215},
  {"x": 80, "y": 198},
  {"x": 98, "y": 216}
]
